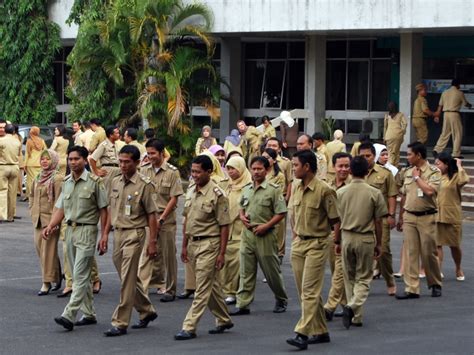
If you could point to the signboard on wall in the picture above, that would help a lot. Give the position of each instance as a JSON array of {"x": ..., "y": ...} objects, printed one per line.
[{"x": 437, "y": 86}]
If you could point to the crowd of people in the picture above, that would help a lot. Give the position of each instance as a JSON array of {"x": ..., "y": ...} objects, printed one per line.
[{"x": 340, "y": 206}]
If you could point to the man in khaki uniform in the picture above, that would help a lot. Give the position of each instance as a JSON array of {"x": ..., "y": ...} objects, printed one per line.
[
  {"x": 130, "y": 137},
  {"x": 361, "y": 208},
  {"x": 86, "y": 137},
  {"x": 76, "y": 127},
  {"x": 168, "y": 188},
  {"x": 250, "y": 141},
  {"x": 10, "y": 151},
  {"x": 382, "y": 179},
  {"x": 99, "y": 134},
  {"x": 83, "y": 199},
  {"x": 450, "y": 103},
  {"x": 305, "y": 142},
  {"x": 132, "y": 208},
  {"x": 337, "y": 294},
  {"x": 205, "y": 233},
  {"x": 314, "y": 204},
  {"x": 319, "y": 145},
  {"x": 333, "y": 147},
  {"x": 418, "y": 208},
  {"x": 107, "y": 155},
  {"x": 262, "y": 208},
  {"x": 420, "y": 114}
]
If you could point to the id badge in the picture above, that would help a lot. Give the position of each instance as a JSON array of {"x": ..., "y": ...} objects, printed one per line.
[
  {"x": 419, "y": 192},
  {"x": 128, "y": 210}
]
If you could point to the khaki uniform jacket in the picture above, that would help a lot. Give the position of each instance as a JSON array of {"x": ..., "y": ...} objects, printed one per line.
[
  {"x": 313, "y": 207},
  {"x": 449, "y": 198},
  {"x": 41, "y": 209},
  {"x": 140, "y": 147},
  {"x": 252, "y": 139},
  {"x": 382, "y": 179},
  {"x": 206, "y": 210},
  {"x": 139, "y": 194},
  {"x": 286, "y": 168},
  {"x": 106, "y": 153},
  {"x": 198, "y": 149},
  {"x": 269, "y": 132},
  {"x": 10, "y": 150},
  {"x": 333, "y": 147},
  {"x": 85, "y": 138},
  {"x": 323, "y": 149},
  {"x": 419, "y": 105},
  {"x": 278, "y": 179},
  {"x": 98, "y": 137},
  {"x": 452, "y": 99},
  {"x": 394, "y": 127},
  {"x": 60, "y": 145}
]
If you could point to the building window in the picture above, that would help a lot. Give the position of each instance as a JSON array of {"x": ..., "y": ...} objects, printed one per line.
[
  {"x": 274, "y": 75},
  {"x": 60, "y": 82}
]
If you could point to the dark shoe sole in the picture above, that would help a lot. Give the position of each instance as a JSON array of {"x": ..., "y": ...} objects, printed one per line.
[
  {"x": 179, "y": 337},
  {"x": 63, "y": 322},
  {"x": 85, "y": 321},
  {"x": 112, "y": 333},
  {"x": 347, "y": 317},
  {"x": 221, "y": 329},
  {"x": 300, "y": 346}
]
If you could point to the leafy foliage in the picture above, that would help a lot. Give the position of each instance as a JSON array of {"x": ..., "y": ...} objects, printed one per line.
[{"x": 28, "y": 44}]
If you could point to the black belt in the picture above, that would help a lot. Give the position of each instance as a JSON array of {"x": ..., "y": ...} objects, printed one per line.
[
  {"x": 307, "y": 237},
  {"x": 452, "y": 111},
  {"x": 114, "y": 165},
  {"x": 119, "y": 229},
  {"x": 195, "y": 239},
  {"x": 422, "y": 213},
  {"x": 75, "y": 224}
]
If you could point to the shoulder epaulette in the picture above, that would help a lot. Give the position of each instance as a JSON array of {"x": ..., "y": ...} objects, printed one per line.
[
  {"x": 434, "y": 168},
  {"x": 274, "y": 185},
  {"x": 284, "y": 158},
  {"x": 67, "y": 177},
  {"x": 172, "y": 167},
  {"x": 144, "y": 178},
  {"x": 383, "y": 166},
  {"x": 94, "y": 177},
  {"x": 218, "y": 191},
  {"x": 224, "y": 179}
]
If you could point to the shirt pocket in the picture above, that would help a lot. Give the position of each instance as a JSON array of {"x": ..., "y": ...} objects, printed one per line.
[
  {"x": 114, "y": 198},
  {"x": 187, "y": 206},
  {"x": 267, "y": 202},
  {"x": 164, "y": 188},
  {"x": 207, "y": 207},
  {"x": 84, "y": 198}
]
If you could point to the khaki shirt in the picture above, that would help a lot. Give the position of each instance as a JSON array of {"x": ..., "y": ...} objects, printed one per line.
[
  {"x": 106, "y": 153},
  {"x": 139, "y": 194},
  {"x": 322, "y": 164},
  {"x": 322, "y": 149},
  {"x": 60, "y": 145},
  {"x": 98, "y": 137},
  {"x": 358, "y": 204},
  {"x": 167, "y": 183},
  {"x": 449, "y": 198},
  {"x": 332, "y": 183},
  {"x": 416, "y": 200},
  {"x": 140, "y": 147},
  {"x": 41, "y": 209},
  {"x": 10, "y": 151},
  {"x": 394, "y": 127},
  {"x": 278, "y": 179},
  {"x": 85, "y": 138},
  {"x": 81, "y": 200},
  {"x": 262, "y": 204},
  {"x": 355, "y": 149},
  {"x": 206, "y": 210},
  {"x": 286, "y": 167},
  {"x": 452, "y": 99},
  {"x": 252, "y": 138},
  {"x": 382, "y": 179},
  {"x": 333, "y": 147},
  {"x": 314, "y": 206},
  {"x": 269, "y": 131},
  {"x": 419, "y": 105}
]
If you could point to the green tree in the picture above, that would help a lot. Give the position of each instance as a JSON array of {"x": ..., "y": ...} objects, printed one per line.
[{"x": 28, "y": 44}]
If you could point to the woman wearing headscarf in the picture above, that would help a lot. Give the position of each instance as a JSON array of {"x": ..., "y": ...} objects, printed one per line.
[
  {"x": 449, "y": 221},
  {"x": 44, "y": 192},
  {"x": 274, "y": 175},
  {"x": 34, "y": 146},
  {"x": 394, "y": 128},
  {"x": 60, "y": 145},
  {"x": 382, "y": 157},
  {"x": 220, "y": 155},
  {"x": 232, "y": 142},
  {"x": 218, "y": 175},
  {"x": 205, "y": 141},
  {"x": 239, "y": 177}
]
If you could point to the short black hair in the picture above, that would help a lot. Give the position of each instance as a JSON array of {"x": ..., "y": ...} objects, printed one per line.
[
  {"x": 149, "y": 133},
  {"x": 2, "y": 120},
  {"x": 61, "y": 129},
  {"x": 418, "y": 148},
  {"x": 110, "y": 130},
  {"x": 9, "y": 129},
  {"x": 447, "y": 159},
  {"x": 307, "y": 157},
  {"x": 265, "y": 118},
  {"x": 310, "y": 139},
  {"x": 77, "y": 121},
  {"x": 95, "y": 121},
  {"x": 318, "y": 136},
  {"x": 274, "y": 155},
  {"x": 340, "y": 155},
  {"x": 359, "y": 167},
  {"x": 204, "y": 161},
  {"x": 132, "y": 133},
  {"x": 156, "y": 144},
  {"x": 456, "y": 82},
  {"x": 132, "y": 150},
  {"x": 262, "y": 160},
  {"x": 367, "y": 145},
  {"x": 82, "y": 151},
  {"x": 276, "y": 140},
  {"x": 86, "y": 124}
]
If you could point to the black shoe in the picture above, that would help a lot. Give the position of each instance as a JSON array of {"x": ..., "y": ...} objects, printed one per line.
[
  {"x": 407, "y": 296},
  {"x": 435, "y": 291},
  {"x": 185, "y": 295},
  {"x": 85, "y": 321},
  {"x": 44, "y": 293},
  {"x": 280, "y": 259},
  {"x": 347, "y": 316},
  {"x": 339, "y": 314},
  {"x": 64, "y": 294},
  {"x": 57, "y": 285},
  {"x": 143, "y": 323},
  {"x": 240, "y": 312},
  {"x": 300, "y": 341},
  {"x": 66, "y": 323},
  {"x": 184, "y": 335},
  {"x": 319, "y": 339},
  {"x": 167, "y": 298},
  {"x": 221, "y": 328},
  {"x": 115, "y": 332},
  {"x": 329, "y": 314},
  {"x": 356, "y": 324},
  {"x": 280, "y": 307}
]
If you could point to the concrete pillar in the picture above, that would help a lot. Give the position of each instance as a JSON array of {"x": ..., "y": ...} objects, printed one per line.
[
  {"x": 231, "y": 71},
  {"x": 315, "y": 83},
  {"x": 411, "y": 69}
]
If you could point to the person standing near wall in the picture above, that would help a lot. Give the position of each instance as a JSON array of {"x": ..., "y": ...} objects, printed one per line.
[
  {"x": 420, "y": 114},
  {"x": 394, "y": 128}
]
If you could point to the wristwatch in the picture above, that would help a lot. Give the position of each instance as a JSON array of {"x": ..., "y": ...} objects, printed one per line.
[
  {"x": 161, "y": 221},
  {"x": 416, "y": 178}
]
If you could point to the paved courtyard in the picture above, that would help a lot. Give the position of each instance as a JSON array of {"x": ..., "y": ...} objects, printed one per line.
[{"x": 425, "y": 326}]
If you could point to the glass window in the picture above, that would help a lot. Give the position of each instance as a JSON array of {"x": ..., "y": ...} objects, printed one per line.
[
  {"x": 381, "y": 74},
  {"x": 359, "y": 49},
  {"x": 274, "y": 80},
  {"x": 336, "y": 85},
  {"x": 357, "y": 85},
  {"x": 297, "y": 50},
  {"x": 379, "y": 51},
  {"x": 254, "y": 72},
  {"x": 217, "y": 51},
  {"x": 354, "y": 126},
  {"x": 277, "y": 50},
  {"x": 255, "y": 50},
  {"x": 58, "y": 81},
  {"x": 336, "y": 49},
  {"x": 465, "y": 72},
  {"x": 438, "y": 68},
  {"x": 295, "y": 90}
]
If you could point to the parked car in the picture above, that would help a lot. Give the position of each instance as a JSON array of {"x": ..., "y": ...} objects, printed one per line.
[{"x": 47, "y": 133}]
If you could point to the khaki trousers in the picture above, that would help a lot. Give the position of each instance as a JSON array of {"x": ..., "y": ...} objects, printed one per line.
[
  {"x": 308, "y": 259},
  {"x": 47, "y": 251},
  {"x": 202, "y": 255},
  {"x": 80, "y": 245},
  {"x": 420, "y": 239},
  {"x": 230, "y": 273},
  {"x": 128, "y": 245},
  {"x": 452, "y": 127},
  {"x": 189, "y": 276},
  {"x": 393, "y": 147},
  {"x": 8, "y": 190},
  {"x": 337, "y": 293},
  {"x": 261, "y": 251},
  {"x": 357, "y": 257},
  {"x": 151, "y": 271},
  {"x": 421, "y": 129},
  {"x": 384, "y": 263},
  {"x": 281, "y": 233}
]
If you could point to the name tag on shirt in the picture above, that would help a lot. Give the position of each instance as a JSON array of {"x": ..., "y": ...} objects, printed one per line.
[
  {"x": 128, "y": 210},
  {"x": 419, "y": 192}
]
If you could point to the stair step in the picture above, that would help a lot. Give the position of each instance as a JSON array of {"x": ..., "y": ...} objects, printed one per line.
[{"x": 467, "y": 197}]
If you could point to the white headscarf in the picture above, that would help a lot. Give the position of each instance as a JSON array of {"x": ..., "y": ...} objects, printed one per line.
[{"x": 379, "y": 148}]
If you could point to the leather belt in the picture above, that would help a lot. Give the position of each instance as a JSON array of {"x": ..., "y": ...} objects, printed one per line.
[
  {"x": 451, "y": 111},
  {"x": 422, "y": 213},
  {"x": 306, "y": 237},
  {"x": 119, "y": 229},
  {"x": 113, "y": 165},
  {"x": 195, "y": 239},
  {"x": 75, "y": 224}
]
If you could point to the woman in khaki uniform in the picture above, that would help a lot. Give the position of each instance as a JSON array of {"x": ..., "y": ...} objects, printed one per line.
[
  {"x": 449, "y": 221},
  {"x": 60, "y": 146},
  {"x": 34, "y": 146},
  {"x": 239, "y": 177},
  {"x": 394, "y": 128},
  {"x": 44, "y": 192},
  {"x": 205, "y": 141}
]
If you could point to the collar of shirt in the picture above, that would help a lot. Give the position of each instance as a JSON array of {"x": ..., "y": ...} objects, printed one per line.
[
  {"x": 312, "y": 184},
  {"x": 263, "y": 185},
  {"x": 84, "y": 176},
  {"x": 204, "y": 189},
  {"x": 357, "y": 180},
  {"x": 424, "y": 166},
  {"x": 133, "y": 179}
]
